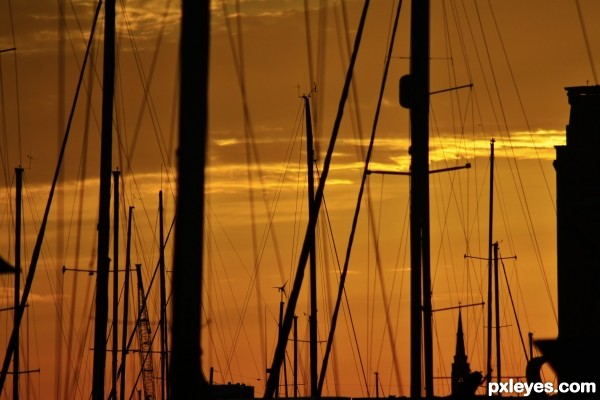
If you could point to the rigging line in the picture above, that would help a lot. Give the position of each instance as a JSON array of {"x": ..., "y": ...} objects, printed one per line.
[
  {"x": 503, "y": 114},
  {"x": 443, "y": 220},
  {"x": 440, "y": 356},
  {"x": 356, "y": 122},
  {"x": 321, "y": 71},
  {"x": 321, "y": 41},
  {"x": 587, "y": 41},
  {"x": 239, "y": 313},
  {"x": 211, "y": 338},
  {"x": 503, "y": 211},
  {"x": 512, "y": 303},
  {"x": 296, "y": 225},
  {"x": 297, "y": 285},
  {"x": 86, "y": 318},
  {"x": 146, "y": 82},
  {"x": 522, "y": 198},
  {"x": 4, "y": 149},
  {"x": 327, "y": 225},
  {"x": 521, "y": 297},
  {"x": 347, "y": 301},
  {"x": 320, "y": 57},
  {"x": 392, "y": 332},
  {"x": 406, "y": 255},
  {"x": 300, "y": 182},
  {"x": 93, "y": 70},
  {"x": 226, "y": 370},
  {"x": 147, "y": 292},
  {"x": 476, "y": 224},
  {"x": 520, "y": 99},
  {"x": 451, "y": 71},
  {"x": 480, "y": 63},
  {"x": 21, "y": 252},
  {"x": 359, "y": 201},
  {"x": 369, "y": 305},
  {"x": 308, "y": 43},
  {"x": 325, "y": 259},
  {"x": 39, "y": 241},
  {"x": 60, "y": 205},
  {"x": 210, "y": 284},
  {"x": 207, "y": 304},
  {"x": 386, "y": 305},
  {"x": 251, "y": 154},
  {"x": 18, "y": 103},
  {"x": 78, "y": 236},
  {"x": 269, "y": 229},
  {"x": 354, "y": 105},
  {"x": 54, "y": 288},
  {"x": 347, "y": 313},
  {"x": 461, "y": 39},
  {"x": 374, "y": 233},
  {"x": 34, "y": 218},
  {"x": 251, "y": 151},
  {"x": 357, "y": 128}
]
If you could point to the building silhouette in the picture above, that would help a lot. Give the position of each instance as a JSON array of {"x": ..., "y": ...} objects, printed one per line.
[{"x": 575, "y": 353}]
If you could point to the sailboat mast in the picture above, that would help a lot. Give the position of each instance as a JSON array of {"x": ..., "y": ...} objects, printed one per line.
[
  {"x": 18, "y": 205},
  {"x": 295, "y": 356},
  {"x": 115, "y": 339},
  {"x": 497, "y": 307},
  {"x": 185, "y": 370},
  {"x": 313, "y": 259},
  {"x": 103, "y": 260},
  {"x": 490, "y": 247},
  {"x": 415, "y": 96},
  {"x": 125, "y": 304},
  {"x": 163, "y": 303}
]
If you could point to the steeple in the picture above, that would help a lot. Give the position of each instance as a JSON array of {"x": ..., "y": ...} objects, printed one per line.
[
  {"x": 460, "y": 366},
  {"x": 464, "y": 382},
  {"x": 460, "y": 356}
]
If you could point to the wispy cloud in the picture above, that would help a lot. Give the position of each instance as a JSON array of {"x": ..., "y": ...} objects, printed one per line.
[{"x": 7, "y": 294}]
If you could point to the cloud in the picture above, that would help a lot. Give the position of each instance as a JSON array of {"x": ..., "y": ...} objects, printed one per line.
[{"x": 7, "y": 294}]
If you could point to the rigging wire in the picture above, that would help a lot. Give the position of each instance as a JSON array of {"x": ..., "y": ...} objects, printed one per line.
[
  {"x": 146, "y": 80},
  {"x": 521, "y": 105},
  {"x": 287, "y": 322},
  {"x": 587, "y": 41},
  {"x": 347, "y": 310},
  {"x": 18, "y": 102},
  {"x": 80, "y": 186},
  {"x": 226, "y": 369},
  {"x": 4, "y": 149},
  {"x": 78, "y": 236},
  {"x": 512, "y": 302},
  {"x": 60, "y": 203},
  {"x": 74, "y": 368},
  {"x": 517, "y": 177},
  {"x": 316, "y": 105},
  {"x": 355, "y": 221},
  {"x": 38, "y": 246},
  {"x": 344, "y": 47},
  {"x": 147, "y": 103},
  {"x": 462, "y": 41},
  {"x": 252, "y": 155}
]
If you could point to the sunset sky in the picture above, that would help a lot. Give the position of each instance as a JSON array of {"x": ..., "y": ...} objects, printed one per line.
[{"x": 264, "y": 56}]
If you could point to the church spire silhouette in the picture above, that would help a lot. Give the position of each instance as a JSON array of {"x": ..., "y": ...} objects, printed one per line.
[{"x": 464, "y": 382}]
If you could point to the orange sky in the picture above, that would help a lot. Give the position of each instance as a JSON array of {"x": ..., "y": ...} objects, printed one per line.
[{"x": 256, "y": 173}]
